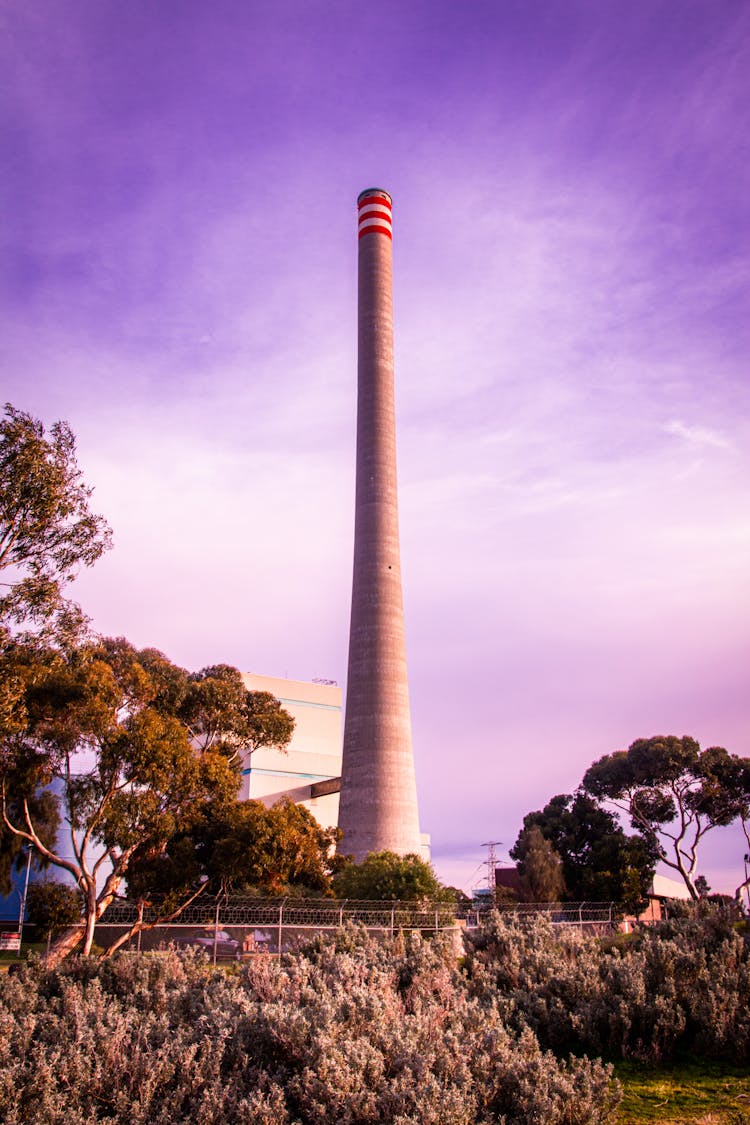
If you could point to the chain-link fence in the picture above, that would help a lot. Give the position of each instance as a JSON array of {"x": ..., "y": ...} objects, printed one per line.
[
  {"x": 596, "y": 917},
  {"x": 230, "y": 928}
]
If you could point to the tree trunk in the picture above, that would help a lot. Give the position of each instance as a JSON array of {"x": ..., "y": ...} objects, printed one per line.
[
  {"x": 83, "y": 931},
  {"x": 65, "y": 944},
  {"x": 92, "y": 916}
]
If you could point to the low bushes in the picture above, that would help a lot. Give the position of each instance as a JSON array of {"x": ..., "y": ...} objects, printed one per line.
[
  {"x": 350, "y": 1031},
  {"x": 354, "y": 1031},
  {"x": 683, "y": 986}
]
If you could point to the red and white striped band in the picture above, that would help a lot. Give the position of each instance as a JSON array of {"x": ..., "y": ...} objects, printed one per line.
[{"x": 374, "y": 208}]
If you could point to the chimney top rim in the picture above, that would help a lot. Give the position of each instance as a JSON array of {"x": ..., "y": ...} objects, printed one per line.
[{"x": 376, "y": 191}]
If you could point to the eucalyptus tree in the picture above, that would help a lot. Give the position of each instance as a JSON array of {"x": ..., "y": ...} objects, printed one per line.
[
  {"x": 103, "y": 730},
  {"x": 47, "y": 533},
  {"x": 47, "y": 528},
  {"x": 675, "y": 794}
]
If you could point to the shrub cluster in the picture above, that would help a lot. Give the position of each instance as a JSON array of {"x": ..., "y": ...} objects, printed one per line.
[
  {"x": 356, "y": 1031},
  {"x": 350, "y": 1031},
  {"x": 681, "y": 986}
]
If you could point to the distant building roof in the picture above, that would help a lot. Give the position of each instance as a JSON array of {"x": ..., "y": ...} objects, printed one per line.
[{"x": 664, "y": 887}]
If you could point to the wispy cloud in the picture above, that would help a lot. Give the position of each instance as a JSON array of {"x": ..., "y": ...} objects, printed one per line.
[{"x": 697, "y": 435}]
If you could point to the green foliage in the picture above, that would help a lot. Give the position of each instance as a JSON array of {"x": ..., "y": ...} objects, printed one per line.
[
  {"x": 385, "y": 876},
  {"x": 45, "y": 812},
  {"x": 47, "y": 530},
  {"x": 690, "y": 1090},
  {"x": 351, "y": 1030},
  {"x": 143, "y": 782},
  {"x": 278, "y": 850},
  {"x": 540, "y": 868},
  {"x": 53, "y": 907},
  {"x": 221, "y": 714},
  {"x": 455, "y": 894},
  {"x": 244, "y": 848},
  {"x": 599, "y": 862},
  {"x": 683, "y": 986},
  {"x": 675, "y": 794}
]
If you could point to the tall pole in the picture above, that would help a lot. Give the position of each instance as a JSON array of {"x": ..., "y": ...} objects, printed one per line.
[
  {"x": 378, "y": 804},
  {"x": 24, "y": 896},
  {"x": 491, "y": 862}
]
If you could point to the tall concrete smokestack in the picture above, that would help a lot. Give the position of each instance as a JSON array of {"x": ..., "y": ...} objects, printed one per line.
[{"x": 378, "y": 806}]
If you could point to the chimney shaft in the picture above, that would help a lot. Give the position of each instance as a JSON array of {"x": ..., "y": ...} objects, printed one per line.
[{"x": 378, "y": 806}]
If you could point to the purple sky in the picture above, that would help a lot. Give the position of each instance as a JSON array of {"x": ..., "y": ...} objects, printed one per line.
[{"x": 572, "y": 262}]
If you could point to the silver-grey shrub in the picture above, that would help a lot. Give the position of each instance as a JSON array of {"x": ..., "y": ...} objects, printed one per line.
[
  {"x": 680, "y": 986},
  {"x": 350, "y": 1031}
]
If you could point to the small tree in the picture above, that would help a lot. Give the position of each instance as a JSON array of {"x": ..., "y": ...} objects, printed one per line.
[
  {"x": 385, "y": 876},
  {"x": 102, "y": 722},
  {"x": 540, "y": 868},
  {"x": 600, "y": 863},
  {"x": 674, "y": 794}
]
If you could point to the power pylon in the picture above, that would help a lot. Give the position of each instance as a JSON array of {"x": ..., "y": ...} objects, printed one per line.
[{"x": 491, "y": 863}]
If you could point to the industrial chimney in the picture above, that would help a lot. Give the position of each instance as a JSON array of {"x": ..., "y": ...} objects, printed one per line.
[{"x": 378, "y": 806}]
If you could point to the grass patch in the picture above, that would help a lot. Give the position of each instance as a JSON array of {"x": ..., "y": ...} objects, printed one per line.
[
  {"x": 8, "y": 957},
  {"x": 711, "y": 1093}
]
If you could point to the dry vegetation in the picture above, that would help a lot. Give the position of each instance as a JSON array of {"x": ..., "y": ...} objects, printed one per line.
[{"x": 355, "y": 1031}]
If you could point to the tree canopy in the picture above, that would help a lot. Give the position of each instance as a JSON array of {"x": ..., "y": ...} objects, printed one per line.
[
  {"x": 47, "y": 529},
  {"x": 386, "y": 876},
  {"x": 221, "y": 714},
  {"x": 540, "y": 868},
  {"x": 675, "y": 793},
  {"x": 103, "y": 727},
  {"x": 600, "y": 863},
  {"x": 244, "y": 848}
]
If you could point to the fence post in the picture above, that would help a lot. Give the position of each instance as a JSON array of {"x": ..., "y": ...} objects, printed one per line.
[
  {"x": 140, "y": 925},
  {"x": 393, "y": 919},
  {"x": 281, "y": 920},
  {"x": 341, "y": 913},
  {"x": 216, "y": 927},
  {"x": 22, "y": 911}
]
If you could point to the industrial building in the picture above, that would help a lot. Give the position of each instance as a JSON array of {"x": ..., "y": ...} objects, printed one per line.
[{"x": 309, "y": 771}]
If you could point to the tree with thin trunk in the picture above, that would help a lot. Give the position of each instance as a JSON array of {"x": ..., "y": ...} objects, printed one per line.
[
  {"x": 103, "y": 732},
  {"x": 48, "y": 532},
  {"x": 675, "y": 794}
]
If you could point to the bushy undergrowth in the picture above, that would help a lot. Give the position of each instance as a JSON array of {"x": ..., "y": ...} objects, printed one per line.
[
  {"x": 350, "y": 1031},
  {"x": 355, "y": 1031},
  {"x": 683, "y": 986}
]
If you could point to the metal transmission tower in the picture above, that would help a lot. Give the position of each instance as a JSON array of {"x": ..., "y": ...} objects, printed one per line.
[
  {"x": 378, "y": 807},
  {"x": 491, "y": 863}
]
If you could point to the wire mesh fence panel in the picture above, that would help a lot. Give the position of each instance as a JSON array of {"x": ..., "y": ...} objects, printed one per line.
[
  {"x": 233, "y": 927},
  {"x": 601, "y": 915}
]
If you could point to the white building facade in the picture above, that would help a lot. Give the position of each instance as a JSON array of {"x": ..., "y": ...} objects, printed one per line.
[{"x": 309, "y": 772}]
